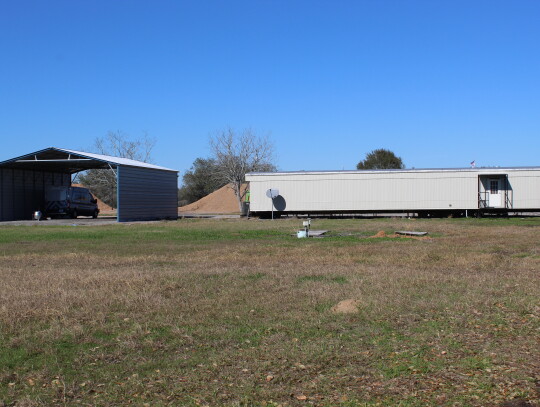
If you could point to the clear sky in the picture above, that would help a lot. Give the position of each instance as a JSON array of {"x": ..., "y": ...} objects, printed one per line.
[{"x": 441, "y": 83}]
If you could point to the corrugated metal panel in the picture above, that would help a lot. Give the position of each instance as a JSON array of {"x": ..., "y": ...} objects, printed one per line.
[
  {"x": 116, "y": 160},
  {"x": 387, "y": 190},
  {"x": 7, "y": 203},
  {"x": 22, "y": 191},
  {"x": 145, "y": 193},
  {"x": 70, "y": 161}
]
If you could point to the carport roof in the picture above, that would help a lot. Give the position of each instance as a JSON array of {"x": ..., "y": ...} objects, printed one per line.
[{"x": 63, "y": 160}]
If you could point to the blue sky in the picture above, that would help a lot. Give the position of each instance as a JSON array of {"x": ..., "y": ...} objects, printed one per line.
[{"x": 441, "y": 83}]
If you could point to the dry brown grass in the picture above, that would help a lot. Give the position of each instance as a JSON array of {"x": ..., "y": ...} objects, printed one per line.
[{"x": 205, "y": 312}]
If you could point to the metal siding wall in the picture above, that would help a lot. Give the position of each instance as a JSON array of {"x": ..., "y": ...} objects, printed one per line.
[
  {"x": 18, "y": 196},
  {"x": 39, "y": 190},
  {"x": 22, "y": 191},
  {"x": 28, "y": 193},
  {"x": 7, "y": 195},
  {"x": 145, "y": 194},
  {"x": 525, "y": 187}
]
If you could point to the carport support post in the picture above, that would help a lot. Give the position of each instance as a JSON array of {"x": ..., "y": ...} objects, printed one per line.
[{"x": 117, "y": 192}]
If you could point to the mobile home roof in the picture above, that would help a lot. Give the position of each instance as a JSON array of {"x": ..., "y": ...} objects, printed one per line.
[{"x": 477, "y": 169}]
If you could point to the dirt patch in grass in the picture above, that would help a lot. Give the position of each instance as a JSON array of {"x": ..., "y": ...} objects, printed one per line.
[{"x": 349, "y": 306}]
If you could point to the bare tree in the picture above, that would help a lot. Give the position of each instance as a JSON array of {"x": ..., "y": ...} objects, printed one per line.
[
  {"x": 239, "y": 153},
  {"x": 103, "y": 182},
  {"x": 117, "y": 144}
]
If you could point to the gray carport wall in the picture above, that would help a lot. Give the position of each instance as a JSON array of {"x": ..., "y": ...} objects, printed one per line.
[{"x": 145, "y": 191}]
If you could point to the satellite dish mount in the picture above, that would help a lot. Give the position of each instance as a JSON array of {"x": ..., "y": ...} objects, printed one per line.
[{"x": 272, "y": 193}]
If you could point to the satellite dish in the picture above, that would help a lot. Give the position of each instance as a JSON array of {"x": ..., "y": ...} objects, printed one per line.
[{"x": 272, "y": 193}]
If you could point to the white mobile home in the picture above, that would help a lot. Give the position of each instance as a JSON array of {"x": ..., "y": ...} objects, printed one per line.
[{"x": 427, "y": 192}]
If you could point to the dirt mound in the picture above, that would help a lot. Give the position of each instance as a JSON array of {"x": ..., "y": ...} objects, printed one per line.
[
  {"x": 221, "y": 201},
  {"x": 346, "y": 307},
  {"x": 103, "y": 207}
]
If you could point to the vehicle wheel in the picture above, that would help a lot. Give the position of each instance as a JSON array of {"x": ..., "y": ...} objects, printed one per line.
[
  {"x": 95, "y": 215},
  {"x": 74, "y": 214}
]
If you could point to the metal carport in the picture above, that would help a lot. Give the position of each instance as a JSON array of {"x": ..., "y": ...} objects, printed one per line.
[{"x": 144, "y": 191}]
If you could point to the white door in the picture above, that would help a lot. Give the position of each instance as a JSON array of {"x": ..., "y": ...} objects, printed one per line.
[{"x": 494, "y": 193}]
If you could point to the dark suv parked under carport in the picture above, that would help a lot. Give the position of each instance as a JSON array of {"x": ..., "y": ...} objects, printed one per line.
[{"x": 70, "y": 201}]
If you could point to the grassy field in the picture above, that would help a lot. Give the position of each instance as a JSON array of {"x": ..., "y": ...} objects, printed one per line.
[{"x": 239, "y": 313}]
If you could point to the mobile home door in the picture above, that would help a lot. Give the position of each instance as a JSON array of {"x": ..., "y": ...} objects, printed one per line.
[{"x": 494, "y": 193}]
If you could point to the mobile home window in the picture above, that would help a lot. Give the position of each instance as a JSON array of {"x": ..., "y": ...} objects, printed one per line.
[{"x": 494, "y": 186}]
